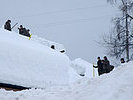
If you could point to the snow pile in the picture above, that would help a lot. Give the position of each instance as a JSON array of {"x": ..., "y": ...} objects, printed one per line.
[
  {"x": 117, "y": 85},
  {"x": 28, "y": 63},
  {"x": 83, "y": 68}
]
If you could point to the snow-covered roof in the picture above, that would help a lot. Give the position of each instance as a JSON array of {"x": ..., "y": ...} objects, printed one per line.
[{"x": 29, "y": 63}]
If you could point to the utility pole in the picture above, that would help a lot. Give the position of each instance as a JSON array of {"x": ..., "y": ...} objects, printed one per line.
[{"x": 127, "y": 34}]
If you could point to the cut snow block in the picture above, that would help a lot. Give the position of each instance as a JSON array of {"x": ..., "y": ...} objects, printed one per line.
[
  {"x": 29, "y": 63},
  {"x": 83, "y": 68}
]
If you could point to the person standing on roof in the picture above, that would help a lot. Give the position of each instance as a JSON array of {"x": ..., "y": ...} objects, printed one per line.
[{"x": 7, "y": 25}]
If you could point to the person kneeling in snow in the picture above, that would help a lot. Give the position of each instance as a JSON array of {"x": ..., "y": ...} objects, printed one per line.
[
  {"x": 27, "y": 33},
  {"x": 21, "y": 30},
  {"x": 24, "y": 31}
]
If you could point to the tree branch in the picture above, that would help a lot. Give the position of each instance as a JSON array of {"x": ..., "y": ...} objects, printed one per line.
[
  {"x": 130, "y": 16},
  {"x": 123, "y": 2}
]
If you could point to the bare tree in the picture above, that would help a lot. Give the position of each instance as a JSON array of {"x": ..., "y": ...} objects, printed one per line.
[{"x": 120, "y": 40}]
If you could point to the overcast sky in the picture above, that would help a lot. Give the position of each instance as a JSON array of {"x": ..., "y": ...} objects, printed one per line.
[{"x": 77, "y": 24}]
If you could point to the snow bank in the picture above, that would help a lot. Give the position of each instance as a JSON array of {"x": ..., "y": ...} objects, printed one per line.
[
  {"x": 117, "y": 85},
  {"x": 83, "y": 67},
  {"x": 28, "y": 63}
]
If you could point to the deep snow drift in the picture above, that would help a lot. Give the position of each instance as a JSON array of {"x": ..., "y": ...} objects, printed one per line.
[
  {"x": 117, "y": 85},
  {"x": 30, "y": 63}
]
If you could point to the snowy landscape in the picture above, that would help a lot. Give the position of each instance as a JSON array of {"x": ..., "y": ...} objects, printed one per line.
[
  {"x": 54, "y": 75},
  {"x": 37, "y": 67}
]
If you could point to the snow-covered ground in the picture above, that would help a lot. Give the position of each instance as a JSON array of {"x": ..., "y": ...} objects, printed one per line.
[{"x": 117, "y": 85}]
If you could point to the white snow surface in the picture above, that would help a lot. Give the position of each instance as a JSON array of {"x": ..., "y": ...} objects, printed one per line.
[
  {"x": 83, "y": 67},
  {"x": 58, "y": 47},
  {"x": 117, "y": 85},
  {"x": 30, "y": 63}
]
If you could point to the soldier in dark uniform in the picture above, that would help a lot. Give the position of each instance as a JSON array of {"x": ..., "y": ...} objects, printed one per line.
[
  {"x": 27, "y": 33},
  {"x": 7, "y": 25},
  {"x": 24, "y": 31},
  {"x": 99, "y": 66},
  {"x": 21, "y": 30},
  {"x": 106, "y": 65}
]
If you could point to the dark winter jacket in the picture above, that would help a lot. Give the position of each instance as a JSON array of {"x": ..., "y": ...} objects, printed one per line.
[
  {"x": 21, "y": 31},
  {"x": 24, "y": 32},
  {"x": 107, "y": 67},
  {"x": 100, "y": 67},
  {"x": 27, "y": 33},
  {"x": 106, "y": 62},
  {"x": 99, "y": 64},
  {"x": 7, "y": 26}
]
